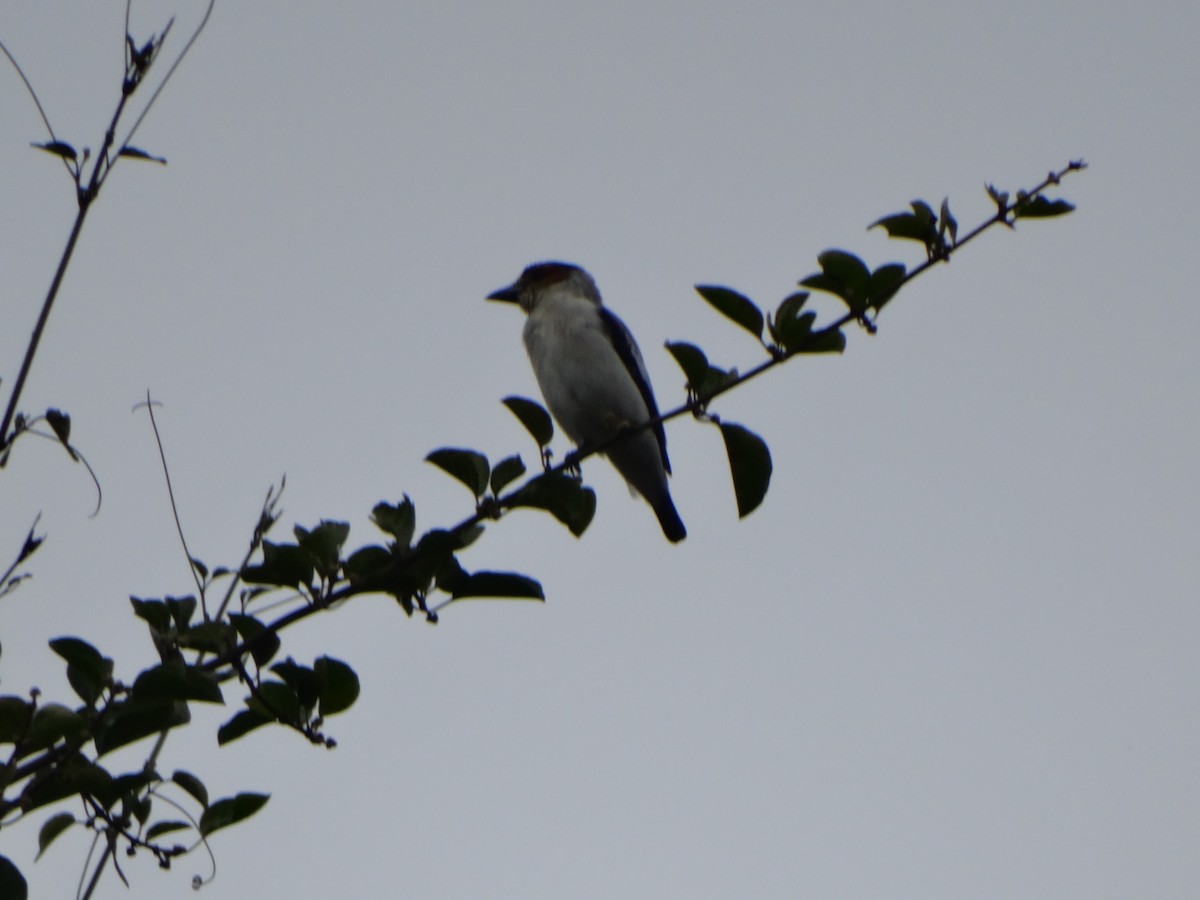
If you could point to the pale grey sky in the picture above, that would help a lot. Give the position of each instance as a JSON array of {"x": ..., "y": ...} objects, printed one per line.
[{"x": 954, "y": 653}]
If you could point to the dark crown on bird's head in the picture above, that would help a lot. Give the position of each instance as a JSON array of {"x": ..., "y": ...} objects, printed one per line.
[{"x": 541, "y": 276}]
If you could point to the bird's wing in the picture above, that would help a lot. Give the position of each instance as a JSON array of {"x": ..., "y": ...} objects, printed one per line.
[{"x": 631, "y": 356}]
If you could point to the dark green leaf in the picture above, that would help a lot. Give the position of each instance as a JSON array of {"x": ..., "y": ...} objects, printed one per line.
[
  {"x": 193, "y": 785},
  {"x": 301, "y": 679},
  {"x": 827, "y": 340},
  {"x": 843, "y": 275},
  {"x": 182, "y": 609},
  {"x": 533, "y": 416},
  {"x": 15, "y": 713},
  {"x": 154, "y": 612},
  {"x": 919, "y": 225},
  {"x": 53, "y": 827},
  {"x": 884, "y": 283},
  {"x": 244, "y": 722},
  {"x": 499, "y": 584},
  {"x": 60, "y": 422},
  {"x": 199, "y": 566},
  {"x": 283, "y": 565},
  {"x": 790, "y": 325},
  {"x": 32, "y": 541},
  {"x": 158, "y": 829},
  {"x": 1039, "y": 207},
  {"x": 468, "y": 466},
  {"x": 277, "y": 701},
  {"x": 58, "y": 148},
  {"x": 324, "y": 544},
  {"x": 12, "y": 883},
  {"x": 563, "y": 497},
  {"x": 262, "y": 644},
  {"x": 399, "y": 521},
  {"x": 749, "y": 466},
  {"x": 947, "y": 224},
  {"x": 230, "y": 811},
  {"x": 136, "y": 719},
  {"x": 366, "y": 561},
  {"x": 80, "y": 653},
  {"x": 135, "y": 153},
  {"x": 88, "y": 671},
  {"x": 52, "y": 722},
  {"x": 338, "y": 685},
  {"x": 176, "y": 681},
  {"x": 506, "y": 472},
  {"x": 691, "y": 359},
  {"x": 73, "y": 776},
  {"x": 847, "y": 269},
  {"x": 212, "y": 637},
  {"x": 730, "y": 303}
]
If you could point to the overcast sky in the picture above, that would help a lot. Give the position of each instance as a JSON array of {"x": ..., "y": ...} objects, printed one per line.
[{"x": 955, "y": 652}]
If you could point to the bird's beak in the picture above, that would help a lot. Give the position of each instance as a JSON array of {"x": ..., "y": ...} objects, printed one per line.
[{"x": 506, "y": 294}]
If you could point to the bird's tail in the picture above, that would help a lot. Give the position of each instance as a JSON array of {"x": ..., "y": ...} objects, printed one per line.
[{"x": 668, "y": 518}]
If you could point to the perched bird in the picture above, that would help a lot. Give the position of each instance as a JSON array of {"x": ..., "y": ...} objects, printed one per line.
[{"x": 593, "y": 379}]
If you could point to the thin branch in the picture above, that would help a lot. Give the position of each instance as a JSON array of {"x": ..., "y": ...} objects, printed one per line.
[
  {"x": 162, "y": 456},
  {"x": 170, "y": 71},
  {"x": 32, "y": 92}
]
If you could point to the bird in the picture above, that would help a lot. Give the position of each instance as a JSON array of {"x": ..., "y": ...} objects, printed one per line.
[{"x": 593, "y": 379}]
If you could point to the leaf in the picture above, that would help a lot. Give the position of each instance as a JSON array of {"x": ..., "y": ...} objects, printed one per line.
[
  {"x": 735, "y": 306},
  {"x": 366, "y": 561},
  {"x": 703, "y": 378},
  {"x": 885, "y": 281},
  {"x": 212, "y": 637},
  {"x": 73, "y": 776},
  {"x": 283, "y": 565},
  {"x": 789, "y": 326},
  {"x": 533, "y": 416},
  {"x": 50, "y": 723},
  {"x": 136, "y": 719},
  {"x": 137, "y": 153},
  {"x": 176, "y": 681},
  {"x": 399, "y": 521},
  {"x": 468, "y": 466},
  {"x": 324, "y": 544},
  {"x": 338, "y": 685},
  {"x": 561, "y": 496},
  {"x": 845, "y": 268},
  {"x": 12, "y": 883},
  {"x": 827, "y": 340},
  {"x": 182, "y": 609},
  {"x": 15, "y": 713},
  {"x": 842, "y": 274},
  {"x": 230, "y": 811},
  {"x": 508, "y": 585},
  {"x": 88, "y": 671},
  {"x": 53, "y": 827},
  {"x": 242, "y": 723},
  {"x": 58, "y": 148},
  {"x": 263, "y": 644},
  {"x": 193, "y": 785},
  {"x": 691, "y": 359},
  {"x": 158, "y": 829},
  {"x": 749, "y": 466},
  {"x": 277, "y": 701},
  {"x": 301, "y": 679},
  {"x": 60, "y": 423},
  {"x": 506, "y": 472},
  {"x": 947, "y": 224},
  {"x": 915, "y": 226},
  {"x": 154, "y": 612},
  {"x": 1040, "y": 207}
]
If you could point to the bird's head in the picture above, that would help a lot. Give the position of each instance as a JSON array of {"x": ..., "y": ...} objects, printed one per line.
[{"x": 545, "y": 279}]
